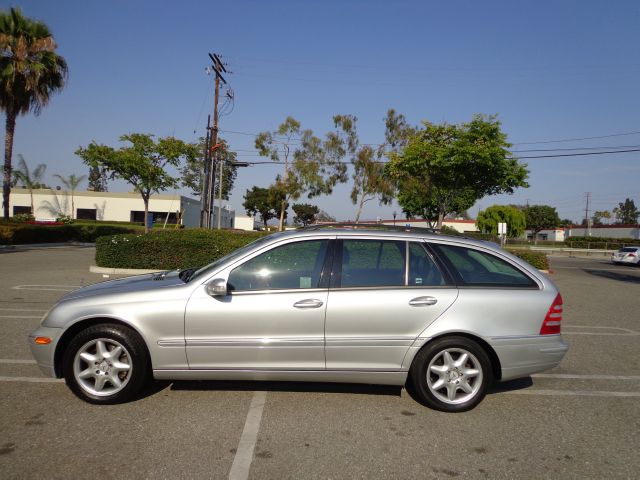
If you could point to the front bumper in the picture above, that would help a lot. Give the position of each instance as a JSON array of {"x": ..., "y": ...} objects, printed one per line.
[
  {"x": 45, "y": 354},
  {"x": 522, "y": 356}
]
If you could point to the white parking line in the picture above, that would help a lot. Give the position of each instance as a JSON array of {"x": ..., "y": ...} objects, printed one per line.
[
  {"x": 31, "y": 379},
  {"x": 20, "y": 316},
  {"x": 244, "y": 454},
  {"x": 573, "y": 393},
  {"x": 53, "y": 288},
  {"x": 625, "y": 332},
  {"x": 12, "y": 361},
  {"x": 585, "y": 377}
]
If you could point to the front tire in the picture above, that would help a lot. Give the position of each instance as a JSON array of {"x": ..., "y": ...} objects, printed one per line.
[
  {"x": 106, "y": 364},
  {"x": 451, "y": 374}
]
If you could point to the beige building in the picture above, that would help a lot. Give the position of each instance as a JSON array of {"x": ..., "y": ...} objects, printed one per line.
[{"x": 49, "y": 204}]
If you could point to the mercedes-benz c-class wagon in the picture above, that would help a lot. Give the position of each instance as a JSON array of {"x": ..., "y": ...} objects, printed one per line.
[{"x": 445, "y": 315}]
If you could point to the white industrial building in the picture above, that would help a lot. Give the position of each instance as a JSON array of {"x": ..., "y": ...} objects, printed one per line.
[{"x": 48, "y": 204}]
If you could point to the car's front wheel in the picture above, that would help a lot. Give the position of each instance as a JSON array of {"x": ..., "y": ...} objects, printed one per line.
[
  {"x": 106, "y": 364},
  {"x": 451, "y": 374}
]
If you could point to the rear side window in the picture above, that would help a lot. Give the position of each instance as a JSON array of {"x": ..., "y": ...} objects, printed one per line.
[
  {"x": 478, "y": 268},
  {"x": 628, "y": 249},
  {"x": 422, "y": 268},
  {"x": 373, "y": 263}
]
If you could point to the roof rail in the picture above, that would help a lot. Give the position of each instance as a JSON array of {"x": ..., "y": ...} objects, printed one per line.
[{"x": 369, "y": 226}]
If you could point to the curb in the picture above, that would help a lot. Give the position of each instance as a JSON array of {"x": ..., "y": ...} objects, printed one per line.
[
  {"x": 26, "y": 246},
  {"x": 121, "y": 271}
]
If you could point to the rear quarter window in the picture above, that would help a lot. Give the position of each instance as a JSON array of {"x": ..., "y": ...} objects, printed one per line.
[{"x": 478, "y": 268}]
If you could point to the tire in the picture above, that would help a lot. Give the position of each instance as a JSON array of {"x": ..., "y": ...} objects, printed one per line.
[
  {"x": 451, "y": 374},
  {"x": 106, "y": 364}
]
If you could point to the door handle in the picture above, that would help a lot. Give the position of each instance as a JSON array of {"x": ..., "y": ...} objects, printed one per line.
[
  {"x": 423, "y": 301},
  {"x": 309, "y": 303}
]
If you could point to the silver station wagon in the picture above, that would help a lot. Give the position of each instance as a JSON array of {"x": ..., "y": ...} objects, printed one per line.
[{"x": 447, "y": 316}]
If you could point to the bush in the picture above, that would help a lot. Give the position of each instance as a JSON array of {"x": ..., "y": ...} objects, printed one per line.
[
  {"x": 536, "y": 259},
  {"x": 604, "y": 243},
  {"x": 23, "y": 218},
  {"x": 169, "y": 249},
  {"x": 25, "y": 233}
]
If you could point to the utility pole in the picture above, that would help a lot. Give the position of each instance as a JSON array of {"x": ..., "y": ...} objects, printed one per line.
[
  {"x": 208, "y": 194},
  {"x": 220, "y": 194},
  {"x": 204, "y": 181},
  {"x": 586, "y": 214}
]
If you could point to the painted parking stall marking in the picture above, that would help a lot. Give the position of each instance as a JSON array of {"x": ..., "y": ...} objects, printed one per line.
[
  {"x": 244, "y": 454},
  {"x": 52, "y": 288}
]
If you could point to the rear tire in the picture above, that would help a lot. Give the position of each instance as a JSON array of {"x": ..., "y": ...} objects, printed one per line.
[
  {"x": 451, "y": 374},
  {"x": 106, "y": 364}
]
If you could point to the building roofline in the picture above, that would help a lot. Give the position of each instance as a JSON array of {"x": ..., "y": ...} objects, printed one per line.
[{"x": 90, "y": 193}]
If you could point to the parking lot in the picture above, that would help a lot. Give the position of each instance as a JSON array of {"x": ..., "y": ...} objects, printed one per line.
[{"x": 580, "y": 420}]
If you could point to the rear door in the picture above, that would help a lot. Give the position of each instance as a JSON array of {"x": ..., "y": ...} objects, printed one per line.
[{"x": 383, "y": 293}]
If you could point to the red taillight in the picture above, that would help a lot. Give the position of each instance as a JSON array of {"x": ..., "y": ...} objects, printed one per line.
[{"x": 551, "y": 324}]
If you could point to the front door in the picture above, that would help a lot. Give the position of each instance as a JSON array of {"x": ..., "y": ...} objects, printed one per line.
[{"x": 272, "y": 318}]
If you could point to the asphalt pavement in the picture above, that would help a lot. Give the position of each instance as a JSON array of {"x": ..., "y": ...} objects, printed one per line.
[{"x": 580, "y": 420}]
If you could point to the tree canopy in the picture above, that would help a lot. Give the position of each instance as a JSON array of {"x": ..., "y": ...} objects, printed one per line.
[
  {"x": 488, "y": 220},
  {"x": 446, "y": 168},
  {"x": 540, "y": 217},
  {"x": 194, "y": 167},
  {"x": 23, "y": 175},
  {"x": 266, "y": 202},
  {"x": 626, "y": 212},
  {"x": 305, "y": 213},
  {"x": 142, "y": 163},
  {"x": 369, "y": 182},
  {"x": 30, "y": 73},
  {"x": 311, "y": 165}
]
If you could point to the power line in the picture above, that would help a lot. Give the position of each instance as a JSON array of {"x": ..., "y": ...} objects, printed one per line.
[{"x": 579, "y": 139}]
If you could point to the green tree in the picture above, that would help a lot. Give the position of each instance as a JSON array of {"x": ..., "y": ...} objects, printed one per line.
[
  {"x": 305, "y": 213},
  {"x": 193, "y": 170},
  {"x": 368, "y": 177},
  {"x": 311, "y": 166},
  {"x": 540, "y": 217},
  {"x": 566, "y": 222},
  {"x": 71, "y": 184},
  {"x": 30, "y": 179},
  {"x": 97, "y": 179},
  {"x": 266, "y": 202},
  {"x": 142, "y": 163},
  {"x": 447, "y": 168},
  {"x": 488, "y": 220},
  {"x": 30, "y": 73},
  {"x": 323, "y": 216},
  {"x": 626, "y": 212}
]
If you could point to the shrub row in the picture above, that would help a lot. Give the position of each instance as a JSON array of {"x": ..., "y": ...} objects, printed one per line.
[
  {"x": 26, "y": 233},
  {"x": 169, "y": 249},
  {"x": 536, "y": 259},
  {"x": 607, "y": 243}
]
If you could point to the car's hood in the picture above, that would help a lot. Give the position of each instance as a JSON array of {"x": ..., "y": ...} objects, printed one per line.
[{"x": 137, "y": 283}]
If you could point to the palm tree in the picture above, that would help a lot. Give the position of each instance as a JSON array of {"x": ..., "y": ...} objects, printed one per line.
[
  {"x": 29, "y": 179},
  {"x": 30, "y": 73},
  {"x": 71, "y": 182}
]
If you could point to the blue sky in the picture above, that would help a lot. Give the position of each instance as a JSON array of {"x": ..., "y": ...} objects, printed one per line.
[{"x": 551, "y": 70}]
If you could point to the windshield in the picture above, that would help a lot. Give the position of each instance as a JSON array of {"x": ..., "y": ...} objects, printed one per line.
[{"x": 207, "y": 269}]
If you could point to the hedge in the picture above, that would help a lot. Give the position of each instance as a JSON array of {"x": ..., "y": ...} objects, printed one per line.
[
  {"x": 606, "y": 243},
  {"x": 26, "y": 233},
  {"x": 169, "y": 249},
  {"x": 536, "y": 259}
]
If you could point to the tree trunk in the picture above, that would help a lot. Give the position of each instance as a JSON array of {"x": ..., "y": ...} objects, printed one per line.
[
  {"x": 8, "y": 151},
  {"x": 145, "y": 199},
  {"x": 440, "y": 220},
  {"x": 73, "y": 207},
  {"x": 359, "y": 209},
  {"x": 282, "y": 210}
]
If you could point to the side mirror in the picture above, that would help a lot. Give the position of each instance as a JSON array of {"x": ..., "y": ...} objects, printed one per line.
[{"x": 217, "y": 287}]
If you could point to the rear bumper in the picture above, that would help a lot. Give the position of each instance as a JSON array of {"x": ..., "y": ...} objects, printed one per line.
[
  {"x": 45, "y": 354},
  {"x": 522, "y": 356}
]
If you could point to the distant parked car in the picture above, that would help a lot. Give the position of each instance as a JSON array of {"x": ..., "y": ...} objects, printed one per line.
[
  {"x": 447, "y": 315},
  {"x": 627, "y": 255}
]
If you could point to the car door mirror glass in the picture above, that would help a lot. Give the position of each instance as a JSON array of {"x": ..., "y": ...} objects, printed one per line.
[{"x": 217, "y": 287}]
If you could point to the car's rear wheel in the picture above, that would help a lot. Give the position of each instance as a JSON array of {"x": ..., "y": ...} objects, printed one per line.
[
  {"x": 451, "y": 374},
  {"x": 106, "y": 364}
]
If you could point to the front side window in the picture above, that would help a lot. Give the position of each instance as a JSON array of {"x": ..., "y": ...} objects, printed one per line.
[
  {"x": 291, "y": 266},
  {"x": 373, "y": 263},
  {"x": 478, "y": 268}
]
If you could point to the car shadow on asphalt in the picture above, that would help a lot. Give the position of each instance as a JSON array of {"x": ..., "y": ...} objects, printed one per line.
[
  {"x": 511, "y": 385},
  {"x": 620, "y": 277},
  {"x": 251, "y": 386}
]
